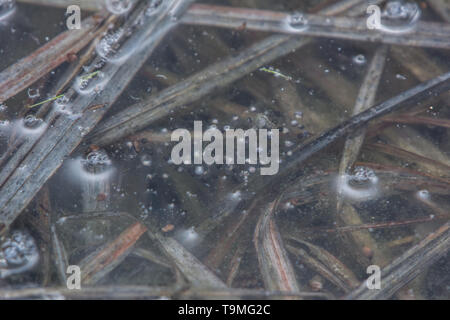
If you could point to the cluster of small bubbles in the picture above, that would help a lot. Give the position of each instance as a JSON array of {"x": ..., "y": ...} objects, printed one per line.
[
  {"x": 118, "y": 6},
  {"x": 62, "y": 105},
  {"x": 33, "y": 93},
  {"x": 362, "y": 174},
  {"x": 31, "y": 125},
  {"x": 18, "y": 253},
  {"x": 83, "y": 131},
  {"x": 7, "y": 7},
  {"x": 399, "y": 10},
  {"x": 97, "y": 158},
  {"x": 3, "y": 107},
  {"x": 297, "y": 22},
  {"x": 106, "y": 45},
  {"x": 359, "y": 186},
  {"x": 100, "y": 64},
  {"x": 400, "y": 17},
  {"x": 359, "y": 59},
  {"x": 95, "y": 166},
  {"x": 31, "y": 121},
  {"x": 90, "y": 83},
  {"x": 62, "y": 101}
]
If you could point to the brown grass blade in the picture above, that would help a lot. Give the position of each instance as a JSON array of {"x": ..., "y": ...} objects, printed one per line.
[
  {"x": 55, "y": 52},
  {"x": 98, "y": 264},
  {"x": 408, "y": 266},
  {"x": 274, "y": 264}
]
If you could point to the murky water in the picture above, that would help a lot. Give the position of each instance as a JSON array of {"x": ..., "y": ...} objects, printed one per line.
[{"x": 114, "y": 209}]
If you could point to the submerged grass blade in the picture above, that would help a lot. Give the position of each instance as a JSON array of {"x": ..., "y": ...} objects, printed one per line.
[
  {"x": 346, "y": 213},
  {"x": 288, "y": 172},
  {"x": 202, "y": 83},
  {"x": 435, "y": 35},
  {"x": 274, "y": 264},
  {"x": 60, "y": 139},
  {"x": 98, "y": 264},
  {"x": 408, "y": 266},
  {"x": 195, "y": 272},
  {"x": 55, "y": 52}
]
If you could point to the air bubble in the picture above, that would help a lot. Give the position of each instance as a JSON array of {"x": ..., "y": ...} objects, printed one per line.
[
  {"x": 297, "y": 22},
  {"x": 62, "y": 105},
  {"x": 30, "y": 125},
  {"x": 423, "y": 194},
  {"x": 90, "y": 83},
  {"x": 199, "y": 170},
  {"x": 95, "y": 166},
  {"x": 33, "y": 93},
  {"x": 359, "y": 59},
  {"x": 118, "y": 6},
  {"x": 18, "y": 253},
  {"x": 399, "y": 17},
  {"x": 96, "y": 158},
  {"x": 108, "y": 44},
  {"x": 359, "y": 186},
  {"x": 115, "y": 49}
]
